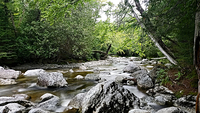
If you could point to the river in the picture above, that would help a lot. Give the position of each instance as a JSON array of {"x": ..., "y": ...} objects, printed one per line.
[{"x": 27, "y": 85}]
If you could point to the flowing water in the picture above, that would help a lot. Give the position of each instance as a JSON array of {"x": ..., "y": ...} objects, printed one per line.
[{"x": 27, "y": 85}]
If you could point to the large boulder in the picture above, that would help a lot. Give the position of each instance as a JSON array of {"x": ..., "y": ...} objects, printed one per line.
[
  {"x": 51, "y": 79},
  {"x": 49, "y": 102},
  {"x": 34, "y": 72},
  {"x": 107, "y": 97},
  {"x": 131, "y": 68},
  {"x": 9, "y": 73},
  {"x": 145, "y": 82}
]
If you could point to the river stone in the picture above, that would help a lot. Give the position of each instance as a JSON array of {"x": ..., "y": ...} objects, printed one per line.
[
  {"x": 9, "y": 73},
  {"x": 76, "y": 101},
  {"x": 12, "y": 108},
  {"x": 7, "y": 81},
  {"x": 159, "y": 89},
  {"x": 51, "y": 79},
  {"x": 171, "y": 110},
  {"x": 92, "y": 77},
  {"x": 139, "y": 73},
  {"x": 21, "y": 96},
  {"x": 7, "y": 100},
  {"x": 162, "y": 99},
  {"x": 138, "y": 111},
  {"x": 34, "y": 72},
  {"x": 48, "y": 102},
  {"x": 131, "y": 68},
  {"x": 79, "y": 77},
  {"x": 186, "y": 101},
  {"x": 109, "y": 97},
  {"x": 145, "y": 82}
]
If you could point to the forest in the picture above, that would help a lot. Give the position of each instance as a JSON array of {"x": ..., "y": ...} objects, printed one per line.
[{"x": 61, "y": 31}]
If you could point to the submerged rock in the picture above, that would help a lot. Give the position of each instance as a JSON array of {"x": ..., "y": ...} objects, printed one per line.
[
  {"x": 106, "y": 97},
  {"x": 51, "y": 79},
  {"x": 9, "y": 73}
]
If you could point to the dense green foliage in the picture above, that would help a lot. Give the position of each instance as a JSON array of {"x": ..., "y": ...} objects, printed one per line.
[
  {"x": 28, "y": 34},
  {"x": 45, "y": 30},
  {"x": 174, "y": 21}
]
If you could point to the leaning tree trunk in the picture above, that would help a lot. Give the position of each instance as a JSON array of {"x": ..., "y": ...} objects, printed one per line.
[
  {"x": 151, "y": 31},
  {"x": 197, "y": 55}
]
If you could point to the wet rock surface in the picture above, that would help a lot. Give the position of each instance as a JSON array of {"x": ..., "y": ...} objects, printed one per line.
[
  {"x": 107, "y": 97},
  {"x": 9, "y": 73},
  {"x": 49, "y": 102},
  {"x": 34, "y": 72},
  {"x": 51, "y": 79}
]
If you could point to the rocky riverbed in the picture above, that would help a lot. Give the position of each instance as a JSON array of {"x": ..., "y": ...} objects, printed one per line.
[{"x": 114, "y": 85}]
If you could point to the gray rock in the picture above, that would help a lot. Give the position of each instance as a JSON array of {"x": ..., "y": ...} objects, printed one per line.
[
  {"x": 7, "y": 81},
  {"x": 131, "y": 68},
  {"x": 49, "y": 102},
  {"x": 145, "y": 82},
  {"x": 92, "y": 77},
  {"x": 109, "y": 97},
  {"x": 138, "y": 111},
  {"x": 159, "y": 89},
  {"x": 187, "y": 101},
  {"x": 12, "y": 108},
  {"x": 7, "y": 100},
  {"x": 162, "y": 99},
  {"x": 38, "y": 110},
  {"x": 76, "y": 101},
  {"x": 152, "y": 73},
  {"x": 139, "y": 73},
  {"x": 51, "y": 79},
  {"x": 21, "y": 96},
  {"x": 171, "y": 110},
  {"x": 9, "y": 73},
  {"x": 34, "y": 72}
]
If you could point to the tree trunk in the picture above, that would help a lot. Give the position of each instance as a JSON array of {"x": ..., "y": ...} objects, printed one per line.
[{"x": 151, "y": 31}]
